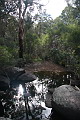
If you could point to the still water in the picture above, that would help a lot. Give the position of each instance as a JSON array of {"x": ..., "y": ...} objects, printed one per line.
[
  {"x": 38, "y": 89},
  {"x": 44, "y": 81}
]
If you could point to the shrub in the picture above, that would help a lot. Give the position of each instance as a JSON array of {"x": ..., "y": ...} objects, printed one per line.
[{"x": 6, "y": 57}]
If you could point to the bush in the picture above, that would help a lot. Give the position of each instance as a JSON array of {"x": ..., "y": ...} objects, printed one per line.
[{"x": 6, "y": 57}]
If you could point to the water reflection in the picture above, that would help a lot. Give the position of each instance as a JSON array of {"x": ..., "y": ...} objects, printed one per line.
[
  {"x": 56, "y": 79},
  {"x": 46, "y": 80},
  {"x": 39, "y": 98},
  {"x": 39, "y": 88},
  {"x": 20, "y": 90}
]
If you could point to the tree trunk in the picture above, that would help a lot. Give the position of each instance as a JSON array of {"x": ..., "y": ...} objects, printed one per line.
[
  {"x": 20, "y": 31},
  {"x": 21, "y": 34}
]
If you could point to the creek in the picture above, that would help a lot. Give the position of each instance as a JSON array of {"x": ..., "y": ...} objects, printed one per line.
[{"x": 45, "y": 80}]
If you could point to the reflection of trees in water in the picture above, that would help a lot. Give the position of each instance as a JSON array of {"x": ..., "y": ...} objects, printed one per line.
[
  {"x": 54, "y": 79},
  {"x": 10, "y": 103},
  {"x": 14, "y": 103},
  {"x": 37, "y": 89}
]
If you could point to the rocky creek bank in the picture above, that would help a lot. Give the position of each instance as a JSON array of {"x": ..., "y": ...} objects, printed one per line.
[
  {"x": 13, "y": 76},
  {"x": 65, "y": 100},
  {"x": 9, "y": 78}
]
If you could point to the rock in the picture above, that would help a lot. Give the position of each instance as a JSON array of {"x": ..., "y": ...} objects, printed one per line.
[
  {"x": 75, "y": 82},
  {"x": 14, "y": 72},
  {"x": 4, "y": 79},
  {"x": 1, "y": 109},
  {"x": 4, "y": 83},
  {"x": 51, "y": 90},
  {"x": 66, "y": 100},
  {"x": 48, "y": 100},
  {"x": 2, "y": 118},
  {"x": 8, "y": 75},
  {"x": 26, "y": 77},
  {"x": 14, "y": 76}
]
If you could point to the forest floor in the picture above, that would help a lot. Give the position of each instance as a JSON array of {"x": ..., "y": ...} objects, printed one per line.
[{"x": 44, "y": 66}]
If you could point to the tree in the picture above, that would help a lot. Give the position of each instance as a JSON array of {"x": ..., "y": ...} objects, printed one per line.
[
  {"x": 22, "y": 12},
  {"x": 44, "y": 21},
  {"x": 75, "y": 2},
  {"x": 69, "y": 15},
  {"x": 7, "y": 10},
  {"x": 8, "y": 32},
  {"x": 76, "y": 6},
  {"x": 16, "y": 8}
]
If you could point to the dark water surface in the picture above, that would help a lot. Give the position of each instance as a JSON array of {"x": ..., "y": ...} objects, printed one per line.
[
  {"x": 36, "y": 94},
  {"x": 49, "y": 79}
]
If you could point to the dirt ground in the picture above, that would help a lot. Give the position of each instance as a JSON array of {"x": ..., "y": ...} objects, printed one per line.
[{"x": 44, "y": 66}]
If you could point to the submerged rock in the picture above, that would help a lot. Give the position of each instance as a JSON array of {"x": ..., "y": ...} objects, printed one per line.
[{"x": 66, "y": 100}]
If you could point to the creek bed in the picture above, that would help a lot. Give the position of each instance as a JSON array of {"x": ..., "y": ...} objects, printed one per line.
[
  {"x": 45, "y": 80},
  {"x": 38, "y": 89}
]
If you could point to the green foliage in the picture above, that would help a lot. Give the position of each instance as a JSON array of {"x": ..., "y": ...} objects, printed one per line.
[
  {"x": 31, "y": 41},
  {"x": 74, "y": 37},
  {"x": 64, "y": 39},
  {"x": 69, "y": 15},
  {"x": 46, "y": 39},
  {"x": 37, "y": 59},
  {"x": 6, "y": 58},
  {"x": 43, "y": 39}
]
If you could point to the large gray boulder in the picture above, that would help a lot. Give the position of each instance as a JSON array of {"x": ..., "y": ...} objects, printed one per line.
[
  {"x": 66, "y": 100},
  {"x": 8, "y": 75},
  {"x": 26, "y": 77},
  {"x": 13, "y": 76},
  {"x": 13, "y": 72}
]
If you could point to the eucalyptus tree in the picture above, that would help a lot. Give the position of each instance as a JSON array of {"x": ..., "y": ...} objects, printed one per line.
[
  {"x": 24, "y": 5},
  {"x": 18, "y": 9}
]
